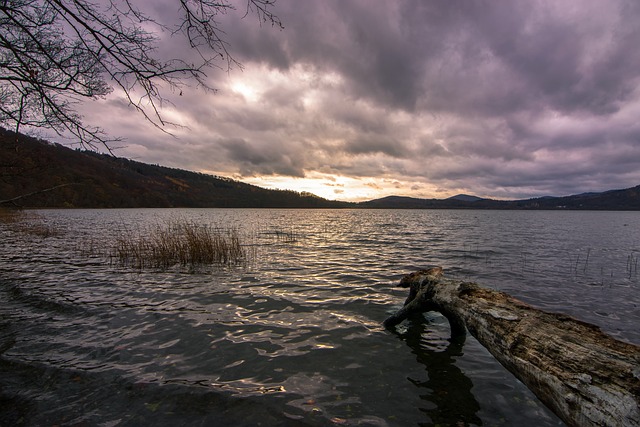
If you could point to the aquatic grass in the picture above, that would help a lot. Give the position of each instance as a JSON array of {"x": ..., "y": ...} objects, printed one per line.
[
  {"x": 286, "y": 236},
  {"x": 20, "y": 221},
  {"x": 10, "y": 216},
  {"x": 632, "y": 265},
  {"x": 179, "y": 242},
  {"x": 283, "y": 235}
]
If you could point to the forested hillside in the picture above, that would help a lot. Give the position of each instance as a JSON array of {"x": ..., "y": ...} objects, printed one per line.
[{"x": 37, "y": 173}]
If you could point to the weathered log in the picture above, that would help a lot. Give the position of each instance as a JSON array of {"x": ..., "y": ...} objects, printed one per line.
[{"x": 583, "y": 375}]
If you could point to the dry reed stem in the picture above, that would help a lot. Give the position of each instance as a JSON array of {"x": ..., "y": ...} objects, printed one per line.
[
  {"x": 31, "y": 223},
  {"x": 179, "y": 242}
]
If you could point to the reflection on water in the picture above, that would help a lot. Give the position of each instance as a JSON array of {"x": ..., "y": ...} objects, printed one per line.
[
  {"x": 447, "y": 390},
  {"x": 292, "y": 336}
]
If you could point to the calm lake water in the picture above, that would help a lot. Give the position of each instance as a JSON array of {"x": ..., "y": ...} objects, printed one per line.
[{"x": 293, "y": 335}]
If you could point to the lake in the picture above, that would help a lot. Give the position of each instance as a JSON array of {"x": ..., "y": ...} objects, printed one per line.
[{"x": 292, "y": 335}]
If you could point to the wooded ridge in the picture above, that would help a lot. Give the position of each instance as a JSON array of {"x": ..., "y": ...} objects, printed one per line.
[
  {"x": 38, "y": 174},
  {"x": 87, "y": 179}
]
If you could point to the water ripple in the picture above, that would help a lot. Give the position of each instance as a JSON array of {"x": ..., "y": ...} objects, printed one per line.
[{"x": 294, "y": 335}]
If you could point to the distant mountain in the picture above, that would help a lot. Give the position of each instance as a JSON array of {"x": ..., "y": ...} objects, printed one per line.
[
  {"x": 465, "y": 198},
  {"x": 400, "y": 202},
  {"x": 625, "y": 199},
  {"x": 85, "y": 179}
]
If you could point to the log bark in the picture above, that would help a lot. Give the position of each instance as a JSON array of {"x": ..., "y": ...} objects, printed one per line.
[{"x": 583, "y": 375}]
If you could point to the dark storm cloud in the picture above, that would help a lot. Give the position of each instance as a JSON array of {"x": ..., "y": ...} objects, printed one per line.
[
  {"x": 567, "y": 61},
  {"x": 483, "y": 57},
  {"x": 375, "y": 144},
  {"x": 258, "y": 159},
  {"x": 354, "y": 38},
  {"x": 496, "y": 98}
]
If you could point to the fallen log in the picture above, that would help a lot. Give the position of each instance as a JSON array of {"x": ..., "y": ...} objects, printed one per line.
[{"x": 583, "y": 375}]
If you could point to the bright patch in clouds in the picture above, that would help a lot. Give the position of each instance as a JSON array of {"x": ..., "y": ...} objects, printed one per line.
[
  {"x": 248, "y": 92},
  {"x": 348, "y": 189}
]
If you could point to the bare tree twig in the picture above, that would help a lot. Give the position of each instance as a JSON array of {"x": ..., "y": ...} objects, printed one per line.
[{"x": 23, "y": 196}]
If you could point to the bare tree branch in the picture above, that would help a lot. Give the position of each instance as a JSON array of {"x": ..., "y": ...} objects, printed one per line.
[
  {"x": 56, "y": 53},
  {"x": 23, "y": 196}
]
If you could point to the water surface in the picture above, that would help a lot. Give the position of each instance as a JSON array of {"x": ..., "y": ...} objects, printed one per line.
[{"x": 293, "y": 335}]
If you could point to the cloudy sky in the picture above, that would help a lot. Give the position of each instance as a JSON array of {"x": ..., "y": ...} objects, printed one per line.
[{"x": 360, "y": 99}]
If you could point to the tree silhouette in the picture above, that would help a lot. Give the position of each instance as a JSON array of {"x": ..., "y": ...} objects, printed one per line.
[{"x": 55, "y": 53}]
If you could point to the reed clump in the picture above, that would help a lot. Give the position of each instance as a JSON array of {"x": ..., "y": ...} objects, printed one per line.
[
  {"x": 20, "y": 221},
  {"x": 179, "y": 242},
  {"x": 10, "y": 216}
]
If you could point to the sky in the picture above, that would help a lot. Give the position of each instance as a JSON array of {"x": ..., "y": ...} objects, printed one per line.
[{"x": 360, "y": 99}]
